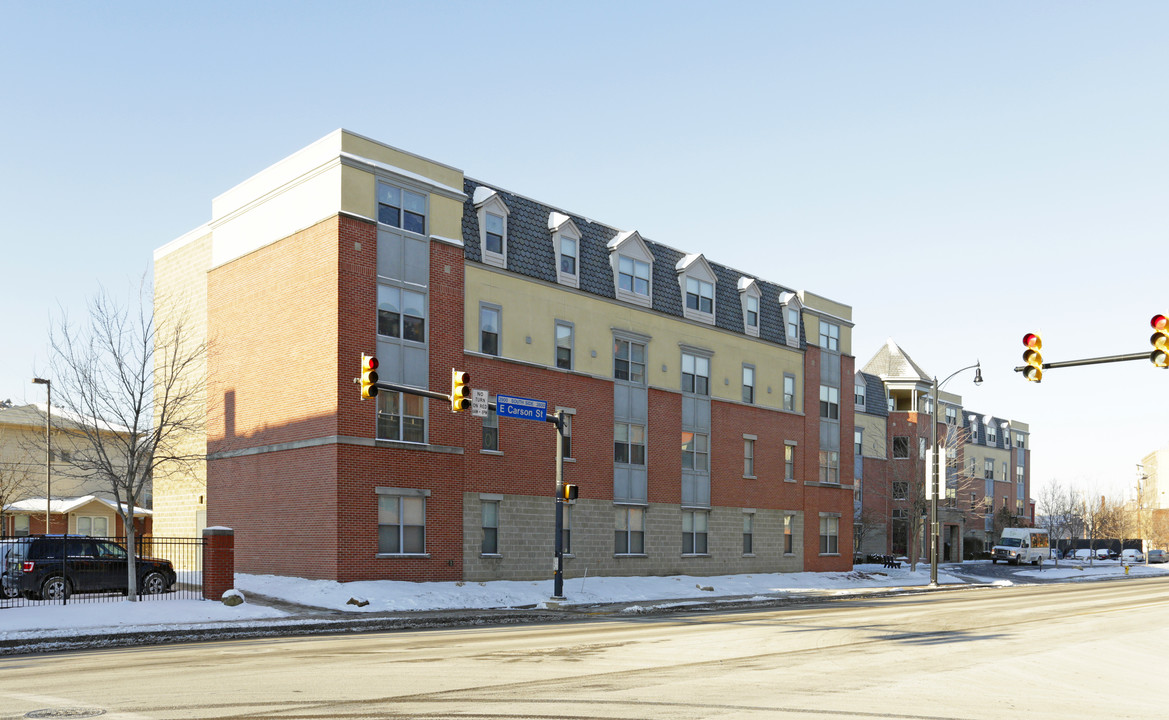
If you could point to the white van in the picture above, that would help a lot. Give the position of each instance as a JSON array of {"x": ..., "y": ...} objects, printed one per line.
[{"x": 1020, "y": 545}]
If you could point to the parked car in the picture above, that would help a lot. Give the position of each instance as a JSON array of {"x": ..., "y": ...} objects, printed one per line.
[
  {"x": 1084, "y": 554},
  {"x": 37, "y": 571},
  {"x": 1132, "y": 555},
  {"x": 1105, "y": 554},
  {"x": 1056, "y": 554},
  {"x": 1157, "y": 556}
]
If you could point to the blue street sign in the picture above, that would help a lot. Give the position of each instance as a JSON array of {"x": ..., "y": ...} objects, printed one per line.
[{"x": 518, "y": 407}]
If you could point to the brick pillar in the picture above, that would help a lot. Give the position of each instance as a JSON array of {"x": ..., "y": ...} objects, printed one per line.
[{"x": 218, "y": 562}]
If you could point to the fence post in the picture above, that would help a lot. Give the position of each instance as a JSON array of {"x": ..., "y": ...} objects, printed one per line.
[{"x": 218, "y": 562}]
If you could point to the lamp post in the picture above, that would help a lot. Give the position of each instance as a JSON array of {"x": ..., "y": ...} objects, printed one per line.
[
  {"x": 48, "y": 449},
  {"x": 935, "y": 479}
]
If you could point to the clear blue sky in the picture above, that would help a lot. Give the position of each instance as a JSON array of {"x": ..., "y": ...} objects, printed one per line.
[{"x": 959, "y": 173}]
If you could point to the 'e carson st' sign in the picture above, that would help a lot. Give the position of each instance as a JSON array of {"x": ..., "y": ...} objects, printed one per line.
[{"x": 523, "y": 408}]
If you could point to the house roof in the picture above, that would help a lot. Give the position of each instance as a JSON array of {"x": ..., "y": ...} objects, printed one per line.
[
  {"x": 893, "y": 363},
  {"x": 530, "y": 253},
  {"x": 62, "y": 506}
]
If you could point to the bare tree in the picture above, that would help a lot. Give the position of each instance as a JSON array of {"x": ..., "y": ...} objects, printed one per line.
[
  {"x": 16, "y": 477},
  {"x": 1057, "y": 508},
  {"x": 123, "y": 377}
]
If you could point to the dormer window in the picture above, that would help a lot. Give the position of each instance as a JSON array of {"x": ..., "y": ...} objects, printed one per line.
[
  {"x": 791, "y": 318},
  {"x": 492, "y": 214},
  {"x": 697, "y": 279},
  {"x": 632, "y": 268},
  {"x": 749, "y": 296},
  {"x": 566, "y": 244}
]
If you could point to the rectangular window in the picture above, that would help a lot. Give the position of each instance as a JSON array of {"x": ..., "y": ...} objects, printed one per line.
[
  {"x": 991, "y": 434},
  {"x": 401, "y": 525},
  {"x": 629, "y": 361},
  {"x": 695, "y": 451},
  {"x": 859, "y": 396},
  {"x": 1019, "y": 440},
  {"x": 401, "y": 313},
  {"x": 629, "y": 535},
  {"x": 628, "y": 444},
  {"x": 901, "y": 447},
  {"x": 564, "y": 345},
  {"x": 695, "y": 374},
  {"x": 489, "y": 322},
  {"x": 748, "y": 384},
  {"x": 694, "y": 532},
  {"x": 633, "y": 275},
  {"x": 401, "y": 208},
  {"x": 789, "y": 392},
  {"x": 900, "y": 490},
  {"x": 699, "y": 295},
  {"x": 400, "y": 416},
  {"x": 829, "y": 535},
  {"x": 829, "y": 403},
  {"x": 789, "y": 462},
  {"x": 858, "y": 437},
  {"x": 752, "y": 311},
  {"x": 830, "y": 466},
  {"x": 951, "y": 415},
  {"x": 748, "y": 533},
  {"x": 748, "y": 457},
  {"x": 829, "y": 336},
  {"x": 490, "y": 527},
  {"x": 988, "y": 469},
  {"x": 568, "y": 255},
  {"x": 788, "y": 538},
  {"x": 793, "y": 326},
  {"x": 96, "y": 526},
  {"x": 21, "y": 523},
  {"x": 494, "y": 234},
  {"x": 491, "y": 430}
]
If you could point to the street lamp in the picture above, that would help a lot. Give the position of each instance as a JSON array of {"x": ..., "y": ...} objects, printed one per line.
[
  {"x": 48, "y": 449},
  {"x": 935, "y": 479}
]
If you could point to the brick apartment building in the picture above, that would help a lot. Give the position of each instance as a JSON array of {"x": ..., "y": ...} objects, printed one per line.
[
  {"x": 704, "y": 403},
  {"x": 986, "y": 463}
]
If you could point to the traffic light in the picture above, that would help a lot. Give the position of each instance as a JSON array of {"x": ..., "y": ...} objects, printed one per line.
[
  {"x": 460, "y": 390},
  {"x": 568, "y": 492},
  {"x": 1032, "y": 357},
  {"x": 368, "y": 376},
  {"x": 1160, "y": 341}
]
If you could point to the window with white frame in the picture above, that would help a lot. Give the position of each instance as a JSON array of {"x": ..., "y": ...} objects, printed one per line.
[
  {"x": 695, "y": 374},
  {"x": 789, "y": 462},
  {"x": 748, "y": 533},
  {"x": 859, "y": 395},
  {"x": 492, "y": 213},
  {"x": 564, "y": 338},
  {"x": 789, "y": 522},
  {"x": 566, "y": 433},
  {"x": 748, "y": 384},
  {"x": 697, "y": 281},
  {"x": 829, "y": 403},
  {"x": 789, "y": 392},
  {"x": 489, "y": 511},
  {"x": 629, "y": 531},
  {"x": 633, "y": 276},
  {"x": 695, "y": 451},
  {"x": 21, "y": 526},
  {"x": 830, "y": 466},
  {"x": 490, "y": 317},
  {"x": 491, "y": 431},
  {"x": 700, "y": 295},
  {"x": 401, "y": 519},
  {"x": 694, "y": 525},
  {"x": 566, "y": 239},
  {"x": 629, "y": 361},
  {"x": 858, "y": 437},
  {"x": 791, "y": 308},
  {"x": 749, "y": 457},
  {"x": 951, "y": 415},
  {"x": 93, "y": 526},
  {"x": 401, "y": 313},
  {"x": 991, "y": 434},
  {"x": 628, "y": 444},
  {"x": 632, "y": 268},
  {"x": 830, "y": 336},
  {"x": 749, "y": 297},
  {"x": 1019, "y": 442},
  {"x": 401, "y": 416},
  {"x": 988, "y": 469},
  {"x": 401, "y": 208},
  {"x": 829, "y": 535}
]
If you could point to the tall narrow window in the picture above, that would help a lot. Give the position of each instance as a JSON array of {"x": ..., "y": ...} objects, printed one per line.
[
  {"x": 748, "y": 457},
  {"x": 566, "y": 434},
  {"x": 789, "y": 392},
  {"x": 830, "y": 466},
  {"x": 629, "y": 532},
  {"x": 793, "y": 326},
  {"x": 494, "y": 234},
  {"x": 489, "y": 322},
  {"x": 564, "y": 345},
  {"x": 789, "y": 462},
  {"x": 748, "y": 384},
  {"x": 788, "y": 536},
  {"x": 695, "y": 374},
  {"x": 694, "y": 523},
  {"x": 829, "y": 535},
  {"x": 491, "y": 431},
  {"x": 748, "y": 533},
  {"x": 568, "y": 255},
  {"x": 752, "y": 318},
  {"x": 629, "y": 361},
  {"x": 490, "y": 512}
]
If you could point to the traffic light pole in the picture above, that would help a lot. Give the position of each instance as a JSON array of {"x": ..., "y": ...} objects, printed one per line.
[
  {"x": 1090, "y": 361},
  {"x": 558, "y": 563}
]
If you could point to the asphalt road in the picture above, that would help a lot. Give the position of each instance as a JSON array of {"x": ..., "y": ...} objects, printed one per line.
[{"x": 1076, "y": 650}]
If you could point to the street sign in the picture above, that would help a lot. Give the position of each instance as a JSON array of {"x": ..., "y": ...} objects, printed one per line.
[
  {"x": 523, "y": 408},
  {"x": 479, "y": 403}
]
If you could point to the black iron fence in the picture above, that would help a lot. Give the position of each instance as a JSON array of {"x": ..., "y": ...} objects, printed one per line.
[{"x": 62, "y": 569}]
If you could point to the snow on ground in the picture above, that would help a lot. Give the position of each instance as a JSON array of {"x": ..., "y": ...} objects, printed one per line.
[{"x": 392, "y": 596}]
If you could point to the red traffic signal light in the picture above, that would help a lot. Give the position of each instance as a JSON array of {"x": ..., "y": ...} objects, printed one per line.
[
  {"x": 368, "y": 376},
  {"x": 460, "y": 390},
  {"x": 1160, "y": 341},
  {"x": 1033, "y": 357}
]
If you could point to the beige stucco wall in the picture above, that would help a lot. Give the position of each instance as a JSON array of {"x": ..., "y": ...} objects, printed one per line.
[{"x": 531, "y": 309}]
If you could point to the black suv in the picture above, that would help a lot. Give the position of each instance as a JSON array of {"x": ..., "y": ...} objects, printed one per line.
[{"x": 52, "y": 567}]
